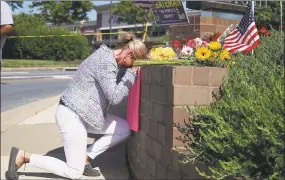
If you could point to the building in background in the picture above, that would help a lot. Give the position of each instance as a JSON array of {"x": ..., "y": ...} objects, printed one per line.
[
  {"x": 206, "y": 17},
  {"x": 103, "y": 27}
]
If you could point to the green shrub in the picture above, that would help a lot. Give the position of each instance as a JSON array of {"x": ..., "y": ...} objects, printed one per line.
[
  {"x": 241, "y": 134},
  {"x": 52, "y": 48}
]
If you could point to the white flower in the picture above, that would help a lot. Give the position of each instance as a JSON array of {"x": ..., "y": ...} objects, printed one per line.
[
  {"x": 199, "y": 41},
  {"x": 187, "y": 51}
]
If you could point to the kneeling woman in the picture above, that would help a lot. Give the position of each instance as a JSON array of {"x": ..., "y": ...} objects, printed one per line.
[{"x": 83, "y": 109}]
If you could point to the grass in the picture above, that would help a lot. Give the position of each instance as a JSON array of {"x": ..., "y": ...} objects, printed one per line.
[{"x": 16, "y": 63}]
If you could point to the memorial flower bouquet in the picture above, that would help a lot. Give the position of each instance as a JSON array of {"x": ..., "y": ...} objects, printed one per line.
[
  {"x": 202, "y": 53},
  {"x": 162, "y": 54}
]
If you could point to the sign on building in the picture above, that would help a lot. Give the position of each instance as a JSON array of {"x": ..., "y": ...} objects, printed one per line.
[{"x": 169, "y": 12}]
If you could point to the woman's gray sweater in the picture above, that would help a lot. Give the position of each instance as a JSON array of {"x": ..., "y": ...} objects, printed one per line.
[{"x": 94, "y": 87}]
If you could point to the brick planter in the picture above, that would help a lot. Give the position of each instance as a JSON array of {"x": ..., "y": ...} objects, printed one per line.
[{"x": 153, "y": 152}]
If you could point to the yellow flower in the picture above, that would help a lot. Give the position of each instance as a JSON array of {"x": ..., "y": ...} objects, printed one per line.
[
  {"x": 214, "y": 45},
  {"x": 214, "y": 56},
  {"x": 225, "y": 55},
  {"x": 161, "y": 53},
  {"x": 203, "y": 53}
]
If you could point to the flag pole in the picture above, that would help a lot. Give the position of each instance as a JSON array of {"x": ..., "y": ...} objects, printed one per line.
[
  {"x": 252, "y": 6},
  {"x": 281, "y": 15}
]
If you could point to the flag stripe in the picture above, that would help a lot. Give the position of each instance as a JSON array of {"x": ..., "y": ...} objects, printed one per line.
[{"x": 245, "y": 37}]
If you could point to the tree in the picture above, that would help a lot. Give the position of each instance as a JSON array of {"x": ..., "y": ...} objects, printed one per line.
[
  {"x": 130, "y": 13},
  {"x": 15, "y": 4},
  {"x": 52, "y": 48},
  {"x": 63, "y": 11},
  {"x": 269, "y": 15}
]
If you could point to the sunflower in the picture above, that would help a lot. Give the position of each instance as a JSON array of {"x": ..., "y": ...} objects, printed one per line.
[
  {"x": 203, "y": 53},
  {"x": 214, "y": 45},
  {"x": 225, "y": 54}
]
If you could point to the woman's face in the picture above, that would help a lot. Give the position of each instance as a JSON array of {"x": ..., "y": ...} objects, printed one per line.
[{"x": 126, "y": 58}]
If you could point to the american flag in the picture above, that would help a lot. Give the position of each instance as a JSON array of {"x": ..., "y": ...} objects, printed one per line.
[
  {"x": 145, "y": 4},
  {"x": 245, "y": 37}
]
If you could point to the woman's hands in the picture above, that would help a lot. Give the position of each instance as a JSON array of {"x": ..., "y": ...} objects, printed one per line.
[{"x": 136, "y": 68}]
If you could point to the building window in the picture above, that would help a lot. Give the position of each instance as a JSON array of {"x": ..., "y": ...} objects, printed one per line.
[{"x": 107, "y": 35}]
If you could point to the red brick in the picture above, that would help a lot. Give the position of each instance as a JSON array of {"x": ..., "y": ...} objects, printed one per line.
[
  {"x": 175, "y": 165},
  {"x": 158, "y": 93},
  {"x": 146, "y": 74},
  {"x": 217, "y": 75},
  {"x": 144, "y": 123},
  {"x": 191, "y": 95},
  {"x": 158, "y": 112},
  {"x": 148, "y": 142},
  {"x": 161, "y": 171},
  {"x": 166, "y": 75},
  {"x": 155, "y": 74},
  {"x": 182, "y": 75},
  {"x": 146, "y": 108},
  {"x": 157, "y": 149},
  {"x": 162, "y": 134},
  {"x": 167, "y": 115},
  {"x": 153, "y": 129},
  {"x": 142, "y": 139},
  {"x": 176, "y": 142},
  {"x": 166, "y": 154},
  {"x": 180, "y": 115},
  {"x": 145, "y": 90},
  {"x": 151, "y": 165},
  {"x": 201, "y": 76},
  {"x": 174, "y": 175}
]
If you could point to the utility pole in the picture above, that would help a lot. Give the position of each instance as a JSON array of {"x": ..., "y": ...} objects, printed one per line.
[{"x": 111, "y": 19}]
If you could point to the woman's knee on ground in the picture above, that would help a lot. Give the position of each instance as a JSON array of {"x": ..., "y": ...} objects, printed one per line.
[{"x": 75, "y": 173}]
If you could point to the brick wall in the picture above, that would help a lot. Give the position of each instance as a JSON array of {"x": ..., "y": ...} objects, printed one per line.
[
  {"x": 199, "y": 26},
  {"x": 153, "y": 152}
]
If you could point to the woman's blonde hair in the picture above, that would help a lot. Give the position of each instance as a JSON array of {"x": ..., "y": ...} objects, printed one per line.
[{"x": 136, "y": 45}]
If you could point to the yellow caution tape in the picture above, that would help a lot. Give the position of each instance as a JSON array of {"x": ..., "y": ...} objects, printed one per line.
[{"x": 66, "y": 35}]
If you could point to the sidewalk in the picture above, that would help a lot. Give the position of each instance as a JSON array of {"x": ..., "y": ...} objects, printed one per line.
[{"x": 39, "y": 134}]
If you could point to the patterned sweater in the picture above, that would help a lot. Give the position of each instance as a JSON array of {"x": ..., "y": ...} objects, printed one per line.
[{"x": 94, "y": 88}]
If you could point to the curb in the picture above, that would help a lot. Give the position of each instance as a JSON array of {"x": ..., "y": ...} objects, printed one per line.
[
  {"x": 39, "y": 69},
  {"x": 19, "y": 114}
]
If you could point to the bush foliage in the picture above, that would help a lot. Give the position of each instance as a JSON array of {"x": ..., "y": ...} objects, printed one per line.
[
  {"x": 51, "y": 48},
  {"x": 241, "y": 134}
]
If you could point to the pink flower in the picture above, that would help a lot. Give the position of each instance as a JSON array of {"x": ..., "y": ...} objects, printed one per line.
[
  {"x": 204, "y": 44},
  {"x": 192, "y": 43}
]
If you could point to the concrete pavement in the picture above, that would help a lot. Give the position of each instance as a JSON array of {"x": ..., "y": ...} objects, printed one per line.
[{"x": 38, "y": 134}]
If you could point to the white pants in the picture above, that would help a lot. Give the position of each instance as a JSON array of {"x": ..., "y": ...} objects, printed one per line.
[{"x": 74, "y": 134}]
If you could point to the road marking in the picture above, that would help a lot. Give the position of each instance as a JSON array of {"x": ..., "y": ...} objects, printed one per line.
[{"x": 11, "y": 72}]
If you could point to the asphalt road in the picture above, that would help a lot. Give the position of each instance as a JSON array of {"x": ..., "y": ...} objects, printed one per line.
[
  {"x": 34, "y": 74},
  {"x": 17, "y": 93},
  {"x": 20, "y": 88}
]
